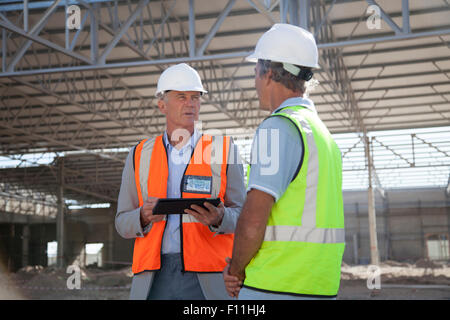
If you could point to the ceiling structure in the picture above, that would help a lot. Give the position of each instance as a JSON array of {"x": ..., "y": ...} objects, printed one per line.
[{"x": 78, "y": 78}]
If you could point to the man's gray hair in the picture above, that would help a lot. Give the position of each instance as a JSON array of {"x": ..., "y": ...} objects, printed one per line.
[
  {"x": 290, "y": 81},
  {"x": 161, "y": 95}
]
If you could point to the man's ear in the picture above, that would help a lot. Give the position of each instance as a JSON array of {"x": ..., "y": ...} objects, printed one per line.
[
  {"x": 162, "y": 106},
  {"x": 268, "y": 76}
]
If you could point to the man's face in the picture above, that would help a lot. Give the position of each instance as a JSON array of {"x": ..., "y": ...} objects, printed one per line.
[
  {"x": 181, "y": 108},
  {"x": 261, "y": 88}
]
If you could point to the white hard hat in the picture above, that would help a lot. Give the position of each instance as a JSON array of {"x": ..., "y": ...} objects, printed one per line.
[
  {"x": 180, "y": 77},
  {"x": 288, "y": 44}
]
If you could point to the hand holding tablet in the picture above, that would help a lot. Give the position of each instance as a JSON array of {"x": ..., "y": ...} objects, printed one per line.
[{"x": 177, "y": 205}]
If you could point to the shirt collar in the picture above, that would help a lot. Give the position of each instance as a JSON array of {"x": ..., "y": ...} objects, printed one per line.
[
  {"x": 297, "y": 101},
  {"x": 192, "y": 141}
]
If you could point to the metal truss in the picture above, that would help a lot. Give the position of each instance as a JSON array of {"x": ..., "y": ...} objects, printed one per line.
[
  {"x": 335, "y": 71},
  {"x": 135, "y": 28},
  {"x": 16, "y": 198},
  {"x": 152, "y": 49},
  {"x": 84, "y": 178},
  {"x": 63, "y": 90},
  {"x": 104, "y": 96},
  {"x": 35, "y": 122},
  {"x": 422, "y": 151},
  {"x": 11, "y": 206}
]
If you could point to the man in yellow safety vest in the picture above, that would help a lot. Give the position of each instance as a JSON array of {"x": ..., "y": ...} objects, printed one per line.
[{"x": 290, "y": 239}]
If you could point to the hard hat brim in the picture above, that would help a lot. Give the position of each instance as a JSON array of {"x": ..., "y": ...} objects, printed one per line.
[
  {"x": 254, "y": 58},
  {"x": 202, "y": 91}
]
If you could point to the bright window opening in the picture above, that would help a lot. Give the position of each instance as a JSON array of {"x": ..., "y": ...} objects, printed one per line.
[
  {"x": 438, "y": 246},
  {"x": 94, "y": 254},
  {"x": 52, "y": 250}
]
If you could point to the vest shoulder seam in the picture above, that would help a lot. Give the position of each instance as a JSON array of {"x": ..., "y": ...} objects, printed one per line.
[{"x": 297, "y": 171}]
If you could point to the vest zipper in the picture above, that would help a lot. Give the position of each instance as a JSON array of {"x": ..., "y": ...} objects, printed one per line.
[
  {"x": 183, "y": 268},
  {"x": 165, "y": 225}
]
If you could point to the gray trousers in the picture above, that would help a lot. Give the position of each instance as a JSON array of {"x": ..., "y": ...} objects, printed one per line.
[
  {"x": 169, "y": 283},
  {"x": 249, "y": 294}
]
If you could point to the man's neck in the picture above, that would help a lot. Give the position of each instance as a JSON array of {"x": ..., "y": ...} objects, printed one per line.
[
  {"x": 179, "y": 137},
  {"x": 281, "y": 94}
]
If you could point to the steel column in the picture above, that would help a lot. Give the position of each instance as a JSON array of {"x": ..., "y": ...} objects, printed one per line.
[
  {"x": 25, "y": 15},
  {"x": 304, "y": 14},
  {"x": 94, "y": 18},
  {"x": 192, "y": 28},
  {"x": 405, "y": 16},
  {"x": 293, "y": 12},
  {"x": 25, "y": 245},
  {"x": 4, "y": 49},
  {"x": 283, "y": 10},
  {"x": 60, "y": 218}
]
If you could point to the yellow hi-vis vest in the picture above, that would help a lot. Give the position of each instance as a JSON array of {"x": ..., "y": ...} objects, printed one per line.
[{"x": 304, "y": 239}]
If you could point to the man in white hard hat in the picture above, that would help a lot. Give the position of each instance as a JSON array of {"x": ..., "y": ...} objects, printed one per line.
[
  {"x": 289, "y": 239},
  {"x": 180, "y": 255}
]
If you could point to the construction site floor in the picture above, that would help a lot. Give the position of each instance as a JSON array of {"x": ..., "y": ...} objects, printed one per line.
[{"x": 423, "y": 280}]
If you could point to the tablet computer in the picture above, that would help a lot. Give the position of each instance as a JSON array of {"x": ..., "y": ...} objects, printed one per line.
[{"x": 177, "y": 205}]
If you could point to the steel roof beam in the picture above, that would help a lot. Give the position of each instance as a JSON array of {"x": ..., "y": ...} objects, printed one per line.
[
  {"x": 211, "y": 57},
  {"x": 212, "y": 32},
  {"x": 386, "y": 17},
  {"x": 85, "y": 131},
  {"x": 121, "y": 32}
]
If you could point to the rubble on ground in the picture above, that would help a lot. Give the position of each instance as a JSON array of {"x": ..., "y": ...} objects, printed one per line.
[
  {"x": 51, "y": 283},
  {"x": 422, "y": 271}
]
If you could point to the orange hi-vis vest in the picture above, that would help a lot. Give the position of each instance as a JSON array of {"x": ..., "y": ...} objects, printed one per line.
[{"x": 201, "y": 249}]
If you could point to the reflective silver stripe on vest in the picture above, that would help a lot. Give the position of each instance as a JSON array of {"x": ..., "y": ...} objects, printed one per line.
[
  {"x": 307, "y": 232},
  {"x": 217, "y": 146},
  {"x": 304, "y": 234},
  {"x": 144, "y": 166}
]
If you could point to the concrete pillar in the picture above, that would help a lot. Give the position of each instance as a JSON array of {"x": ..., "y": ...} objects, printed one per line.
[
  {"x": 387, "y": 229},
  {"x": 11, "y": 265},
  {"x": 25, "y": 245},
  {"x": 374, "y": 254},
  {"x": 356, "y": 236},
  {"x": 447, "y": 197},
  {"x": 424, "y": 248},
  {"x": 60, "y": 219},
  {"x": 355, "y": 249},
  {"x": 108, "y": 245}
]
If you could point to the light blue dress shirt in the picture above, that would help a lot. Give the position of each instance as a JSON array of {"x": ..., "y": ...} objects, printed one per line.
[
  {"x": 178, "y": 160},
  {"x": 281, "y": 145}
]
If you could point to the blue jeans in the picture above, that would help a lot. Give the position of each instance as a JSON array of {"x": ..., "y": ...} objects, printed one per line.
[{"x": 169, "y": 283}]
